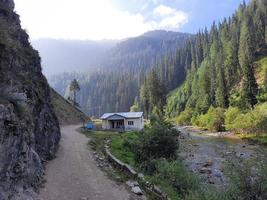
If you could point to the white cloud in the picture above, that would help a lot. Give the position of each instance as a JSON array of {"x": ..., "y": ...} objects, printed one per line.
[
  {"x": 79, "y": 19},
  {"x": 170, "y": 18},
  {"x": 87, "y": 19},
  {"x": 162, "y": 10}
]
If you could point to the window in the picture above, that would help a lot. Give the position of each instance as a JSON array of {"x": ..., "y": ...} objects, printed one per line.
[{"x": 130, "y": 123}]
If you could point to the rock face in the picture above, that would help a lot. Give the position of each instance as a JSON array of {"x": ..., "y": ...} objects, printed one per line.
[{"x": 29, "y": 129}]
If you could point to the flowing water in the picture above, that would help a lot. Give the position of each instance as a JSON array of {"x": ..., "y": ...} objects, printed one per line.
[{"x": 208, "y": 154}]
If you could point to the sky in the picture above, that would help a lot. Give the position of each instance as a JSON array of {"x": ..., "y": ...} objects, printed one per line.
[{"x": 118, "y": 19}]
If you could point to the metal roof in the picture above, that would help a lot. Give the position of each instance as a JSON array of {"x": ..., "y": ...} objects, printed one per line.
[{"x": 127, "y": 115}]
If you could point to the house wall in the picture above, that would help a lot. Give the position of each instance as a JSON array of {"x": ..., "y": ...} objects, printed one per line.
[
  {"x": 106, "y": 124},
  {"x": 138, "y": 124}
]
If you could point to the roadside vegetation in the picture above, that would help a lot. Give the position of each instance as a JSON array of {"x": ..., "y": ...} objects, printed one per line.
[
  {"x": 250, "y": 124},
  {"x": 154, "y": 152}
]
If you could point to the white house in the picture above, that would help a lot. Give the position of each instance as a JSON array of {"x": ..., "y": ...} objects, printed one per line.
[{"x": 123, "y": 121}]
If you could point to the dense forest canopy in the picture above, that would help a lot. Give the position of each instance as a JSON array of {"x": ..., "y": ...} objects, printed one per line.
[
  {"x": 220, "y": 66},
  {"x": 115, "y": 85},
  {"x": 168, "y": 73}
]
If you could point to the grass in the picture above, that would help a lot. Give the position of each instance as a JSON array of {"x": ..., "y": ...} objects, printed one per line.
[
  {"x": 67, "y": 113},
  {"x": 171, "y": 176},
  {"x": 164, "y": 186},
  {"x": 119, "y": 150},
  {"x": 259, "y": 139},
  {"x": 98, "y": 139}
]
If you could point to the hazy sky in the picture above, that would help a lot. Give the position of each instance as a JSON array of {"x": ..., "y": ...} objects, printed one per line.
[{"x": 117, "y": 19}]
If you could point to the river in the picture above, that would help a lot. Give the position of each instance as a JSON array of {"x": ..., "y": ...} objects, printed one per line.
[{"x": 208, "y": 154}]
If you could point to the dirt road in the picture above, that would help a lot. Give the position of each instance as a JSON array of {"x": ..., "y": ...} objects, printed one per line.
[{"x": 73, "y": 175}]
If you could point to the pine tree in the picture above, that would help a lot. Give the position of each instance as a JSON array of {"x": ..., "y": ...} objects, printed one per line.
[
  {"x": 246, "y": 52},
  {"x": 221, "y": 97},
  {"x": 74, "y": 87},
  {"x": 144, "y": 98},
  {"x": 157, "y": 92}
]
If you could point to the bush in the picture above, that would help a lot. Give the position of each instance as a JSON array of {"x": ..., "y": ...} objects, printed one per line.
[
  {"x": 231, "y": 115},
  {"x": 184, "y": 118},
  {"x": 254, "y": 121},
  {"x": 157, "y": 141},
  {"x": 213, "y": 120}
]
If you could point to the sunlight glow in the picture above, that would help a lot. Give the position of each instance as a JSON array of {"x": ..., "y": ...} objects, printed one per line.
[{"x": 89, "y": 19}]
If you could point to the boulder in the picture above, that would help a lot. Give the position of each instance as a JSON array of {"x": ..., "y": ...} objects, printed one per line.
[
  {"x": 137, "y": 190},
  {"x": 209, "y": 163},
  {"x": 205, "y": 170}
]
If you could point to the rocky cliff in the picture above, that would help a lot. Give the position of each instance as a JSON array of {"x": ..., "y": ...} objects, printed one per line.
[{"x": 29, "y": 129}]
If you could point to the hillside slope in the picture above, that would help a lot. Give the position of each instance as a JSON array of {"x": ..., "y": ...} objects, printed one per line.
[
  {"x": 228, "y": 65},
  {"x": 29, "y": 129},
  {"x": 66, "y": 112},
  {"x": 144, "y": 51},
  {"x": 89, "y": 56},
  {"x": 115, "y": 86}
]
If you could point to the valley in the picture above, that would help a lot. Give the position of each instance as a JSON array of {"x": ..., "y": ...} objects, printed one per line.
[{"x": 155, "y": 111}]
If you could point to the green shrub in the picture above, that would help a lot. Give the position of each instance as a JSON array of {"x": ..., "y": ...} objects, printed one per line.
[
  {"x": 120, "y": 150},
  {"x": 231, "y": 115},
  {"x": 184, "y": 118},
  {"x": 213, "y": 120},
  {"x": 157, "y": 141},
  {"x": 254, "y": 121}
]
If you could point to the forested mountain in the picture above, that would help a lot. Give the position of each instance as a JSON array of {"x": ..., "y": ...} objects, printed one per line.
[
  {"x": 224, "y": 67},
  {"x": 115, "y": 85},
  {"x": 59, "y": 56},
  {"x": 144, "y": 51}
]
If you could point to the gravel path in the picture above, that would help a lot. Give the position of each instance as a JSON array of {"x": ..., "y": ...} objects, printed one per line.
[{"x": 73, "y": 175}]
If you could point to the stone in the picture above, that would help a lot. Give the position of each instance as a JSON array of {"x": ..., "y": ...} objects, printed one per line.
[
  {"x": 137, "y": 190},
  {"x": 209, "y": 163},
  {"x": 141, "y": 176},
  {"x": 132, "y": 183},
  {"x": 217, "y": 173},
  {"x": 205, "y": 170},
  {"x": 157, "y": 189}
]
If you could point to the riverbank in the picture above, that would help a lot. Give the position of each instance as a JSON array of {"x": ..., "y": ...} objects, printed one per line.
[
  {"x": 207, "y": 154},
  {"x": 206, "y": 167},
  {"x": 250, "y": 138}
]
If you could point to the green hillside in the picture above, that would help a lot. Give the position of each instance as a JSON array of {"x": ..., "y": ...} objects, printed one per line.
[
  {"x": 66, "y": 112},
  {"x": 225, "y": 76}
]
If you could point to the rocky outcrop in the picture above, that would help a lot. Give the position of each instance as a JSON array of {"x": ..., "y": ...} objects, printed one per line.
[{"x": 29, "y": 129}]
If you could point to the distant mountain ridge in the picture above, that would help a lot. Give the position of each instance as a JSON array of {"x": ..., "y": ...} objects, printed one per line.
[
  {"x": 112, "y": 85},
  {"x": 59, "y": 56},
  {"x": 145, "y": 50}
]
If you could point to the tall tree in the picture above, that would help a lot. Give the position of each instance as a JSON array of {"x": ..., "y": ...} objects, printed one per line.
[
  {"x": 157, "y": 92},
  {"x": 144, "y": 98},
  {"x": 246, "y": 53},
  {"x": 74, "y": 87}
]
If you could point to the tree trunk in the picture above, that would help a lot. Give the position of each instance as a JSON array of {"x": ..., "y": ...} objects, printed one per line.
[{"x": 74, "y": 97}]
